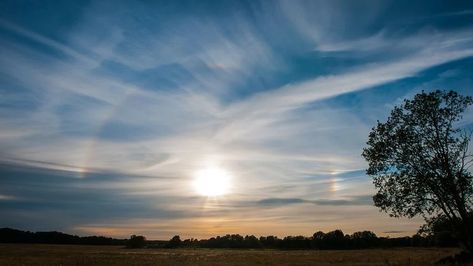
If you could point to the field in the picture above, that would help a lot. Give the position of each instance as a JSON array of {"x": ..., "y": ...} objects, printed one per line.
[{"x": 26, "y": 254}]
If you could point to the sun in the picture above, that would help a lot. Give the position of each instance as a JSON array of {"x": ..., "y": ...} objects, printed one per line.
[{"x": 212, "y": 181}]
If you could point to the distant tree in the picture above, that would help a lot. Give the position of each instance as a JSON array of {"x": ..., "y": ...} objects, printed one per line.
[
  {"x": 317, "y": 239},
  {"x": 419, "y": 161},
  {"x": 252, "y": 242},
  {"x": 363, "y": 239},
  {"x": 269, "y": 241},
  {"x": 295, "y": 242},
  {"x": 174, "y": 242},
  {"x": 334, "y": 240},
  {"x": 136, "y": 242},
  {"x": 188, "y": 243}
]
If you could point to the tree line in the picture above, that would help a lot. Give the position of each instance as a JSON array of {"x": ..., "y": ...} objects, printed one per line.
[
  {"x": 331, "y": 240},
  {"x": 438, "y": 235},
  {"x": 8, "y": 235}
]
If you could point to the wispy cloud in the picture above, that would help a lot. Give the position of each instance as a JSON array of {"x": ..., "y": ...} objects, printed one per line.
[{"x": 359, "y": 200}]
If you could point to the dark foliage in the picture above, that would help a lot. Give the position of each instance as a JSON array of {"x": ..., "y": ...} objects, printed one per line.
[
  {"x": 231, "y": 241},
  {"x": 8, "y": 235},
  {"x": 442, "y": 231},
  {"x": 364, "y": 239},
  {"x": 319, "y": 240},
  {"x": 136, "y": 242},
  {"x": 174, "y": 242},
  {"x": 419, "y": 161}
]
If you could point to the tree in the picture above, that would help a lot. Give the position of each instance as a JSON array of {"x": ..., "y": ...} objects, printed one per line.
[
  {"x": 419, "y": 161},
  {"x": 317, "y": 239},
  {"x": 363, "y": 239},
  {"x": 252, "y": 242},
  {"x": 334, "y": 240},
  {"x": 439, "y": 231},
  {"x": 136, "y": 241},
  {"x": 174, "y": 242}
]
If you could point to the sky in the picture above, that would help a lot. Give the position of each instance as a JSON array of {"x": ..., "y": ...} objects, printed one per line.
[{"x": 111, "y": 111}]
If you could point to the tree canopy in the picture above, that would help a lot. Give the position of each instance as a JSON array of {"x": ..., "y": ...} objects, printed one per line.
[
  {"x": 419, "y": 160},
  {"x": 136, "y": 241}
]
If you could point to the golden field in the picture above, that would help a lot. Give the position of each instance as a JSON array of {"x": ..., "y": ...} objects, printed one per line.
[{"x": 39, "y": 254}]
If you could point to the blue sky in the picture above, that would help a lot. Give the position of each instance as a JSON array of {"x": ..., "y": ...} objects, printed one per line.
[{"x": 109, "y": 110}]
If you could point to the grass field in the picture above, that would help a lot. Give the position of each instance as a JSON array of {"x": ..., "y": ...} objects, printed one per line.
[{"x": 25, "y": 254}]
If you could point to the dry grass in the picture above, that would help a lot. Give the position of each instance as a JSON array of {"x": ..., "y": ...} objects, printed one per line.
[{"x": 24, "y": 254}]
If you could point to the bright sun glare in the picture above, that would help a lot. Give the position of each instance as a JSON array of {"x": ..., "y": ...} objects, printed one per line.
[{"x": 212, "y": 181}]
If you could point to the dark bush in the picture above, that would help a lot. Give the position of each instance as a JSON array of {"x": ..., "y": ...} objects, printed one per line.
[
  {"x": 174, "y": 242},
  {"x": 136, "y": 242}
]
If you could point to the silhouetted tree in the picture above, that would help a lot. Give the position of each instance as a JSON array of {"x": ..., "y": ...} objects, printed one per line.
[
  {"x": 320, "y": 240},
  {"x": 174, "y": 242},
  {"x": 295, "y": 242},
  {"x": 136, "y": 242},
  {"x": 252, "y": 242},
  {"x": 334, "y": 240},
  {"x": 269, "y": 241},
  {"x": 190, "y": 243},
  {"x": 8, "y": 235},
  {"x": 363, "y": 239},
  {"x": 419, "y": 161},
  {"x": 439, "y": 230},
  {"x": 317, "y": 239}
]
